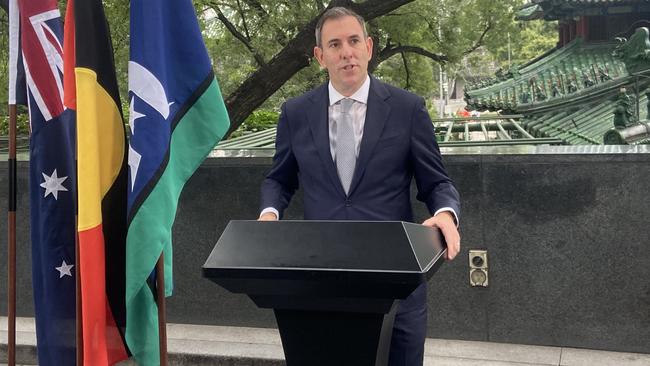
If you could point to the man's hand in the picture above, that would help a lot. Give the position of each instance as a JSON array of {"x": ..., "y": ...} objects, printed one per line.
[
  {"x": 268, "y": 216},
  {"x": 445, "y": 222}
]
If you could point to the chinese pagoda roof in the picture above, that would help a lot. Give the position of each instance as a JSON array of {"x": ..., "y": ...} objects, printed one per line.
[
  {"x": 563, "y": 9},
  {"x": 576, "y": 93}
]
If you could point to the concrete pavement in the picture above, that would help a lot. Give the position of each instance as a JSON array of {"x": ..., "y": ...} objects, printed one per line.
[{"x": 230, "y": 346}]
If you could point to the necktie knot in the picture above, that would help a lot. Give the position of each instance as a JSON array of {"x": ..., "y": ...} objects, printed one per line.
[{"x": 346, "y": 105}]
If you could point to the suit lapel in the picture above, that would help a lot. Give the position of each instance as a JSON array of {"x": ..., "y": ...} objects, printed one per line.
[
  {"x": 376, "y": 115},
  {"x": 319, "y": 125}
]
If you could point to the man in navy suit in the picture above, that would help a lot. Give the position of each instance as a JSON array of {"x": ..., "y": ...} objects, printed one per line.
[{"x": 354, "y": 145}]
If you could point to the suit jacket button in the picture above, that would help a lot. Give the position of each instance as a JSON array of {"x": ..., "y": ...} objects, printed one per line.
[{"x": 348, "y": 203}]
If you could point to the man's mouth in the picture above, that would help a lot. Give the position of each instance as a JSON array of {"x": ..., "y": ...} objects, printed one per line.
[{"x": 348, "y": 67}]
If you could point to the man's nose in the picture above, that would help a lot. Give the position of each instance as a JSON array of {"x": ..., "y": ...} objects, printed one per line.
[{"x": 346, "y": 51}]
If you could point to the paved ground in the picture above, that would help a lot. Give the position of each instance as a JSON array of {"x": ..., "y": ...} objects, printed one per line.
[{"x": 214, "y": 345}]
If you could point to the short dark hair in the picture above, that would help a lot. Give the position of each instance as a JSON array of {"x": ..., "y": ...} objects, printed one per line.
[{"x": 335, "y": 13}]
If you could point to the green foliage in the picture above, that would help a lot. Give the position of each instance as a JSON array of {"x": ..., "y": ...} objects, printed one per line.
[
  {"x": 536, "y": 37},
  {"x": 22, "y": 124},
  {"x": 433, "y": 111},
  {"x": 117, "y": 14},
  {"x": 420, "y": 77},
  {"x": 465, "y": 32},
  {"x": 267, "y": 25},
  {"x": 259, "y": 120},
  {"x": 528, "y": 40}
]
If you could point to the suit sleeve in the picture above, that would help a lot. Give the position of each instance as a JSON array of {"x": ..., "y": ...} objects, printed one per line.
[
  {"x": 282, "y": 180},
  {"x": 435, "y": 188}
]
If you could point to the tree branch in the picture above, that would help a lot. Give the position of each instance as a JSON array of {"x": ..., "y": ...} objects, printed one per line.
[
  {"x": 255, "y": 5},
  {"x": 243, "y": 20},
  {"x": 279, "y": 37},
  {"x": 406, "y": 69},
  {"x": 388, "y": 52},
  {"x": 479, "y": 42},
  {"x": 430, "y": 25},
  {"x": 372, "y": 9},
  {"x": 373, "y": 32},
  {"x": 239, "y": 36}
]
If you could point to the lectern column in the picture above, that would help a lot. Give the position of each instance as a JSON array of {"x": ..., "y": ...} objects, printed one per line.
[{"x": 326, "y": 338}]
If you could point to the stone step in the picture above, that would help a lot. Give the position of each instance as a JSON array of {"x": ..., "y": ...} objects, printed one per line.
[
  {"x": 238, "y": 346},
  {"x": 186, "y": 345}
]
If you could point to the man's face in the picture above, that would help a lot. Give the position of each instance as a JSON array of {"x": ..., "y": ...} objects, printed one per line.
[{"x": 344, "y": 53}]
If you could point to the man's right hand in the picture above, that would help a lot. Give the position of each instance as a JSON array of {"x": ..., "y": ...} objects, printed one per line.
[{"x": 268, "y": 216}]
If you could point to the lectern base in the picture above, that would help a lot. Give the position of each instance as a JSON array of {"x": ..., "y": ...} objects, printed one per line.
[{"x": 324, "y": 338}]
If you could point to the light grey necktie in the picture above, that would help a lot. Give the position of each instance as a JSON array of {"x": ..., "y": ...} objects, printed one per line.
[{"x": 346, "y": 158}]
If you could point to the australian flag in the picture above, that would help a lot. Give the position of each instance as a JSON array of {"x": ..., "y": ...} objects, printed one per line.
[{"x": 52, "y": 182}]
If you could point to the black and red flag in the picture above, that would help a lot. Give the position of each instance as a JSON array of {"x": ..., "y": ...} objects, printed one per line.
[{"x": 101, "y": 182}]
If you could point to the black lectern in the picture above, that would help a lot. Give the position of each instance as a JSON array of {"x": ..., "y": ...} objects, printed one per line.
[{"x": 332, "y": 284}]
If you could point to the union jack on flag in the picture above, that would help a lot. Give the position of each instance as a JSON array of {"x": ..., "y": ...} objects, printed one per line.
[
  {"x": 42, "y": 46},
  {"x": 52, "y": 182}
]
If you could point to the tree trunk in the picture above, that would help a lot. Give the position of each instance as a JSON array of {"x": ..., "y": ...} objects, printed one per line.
[{"x": 295, "y": 56}]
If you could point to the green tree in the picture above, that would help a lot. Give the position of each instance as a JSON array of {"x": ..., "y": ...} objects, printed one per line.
[
  {"x": 263, "y": 48},
  {"x": 535, "y": 38},
  {"x": 528, "y": 40}
]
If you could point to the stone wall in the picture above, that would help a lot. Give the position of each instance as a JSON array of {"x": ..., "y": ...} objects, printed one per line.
[{"x": 567, "y": 238}]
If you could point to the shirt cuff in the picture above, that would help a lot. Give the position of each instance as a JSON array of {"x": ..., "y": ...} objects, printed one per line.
[
  {"x": 448, "y": 209},
  {"x": 273, "y": 210}
]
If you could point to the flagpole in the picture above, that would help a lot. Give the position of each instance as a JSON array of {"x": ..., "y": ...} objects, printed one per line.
[
  {"x": 160, "y": 299},
  {"x": 11, "y": 244},
  {"x": 78, "y": 321}
]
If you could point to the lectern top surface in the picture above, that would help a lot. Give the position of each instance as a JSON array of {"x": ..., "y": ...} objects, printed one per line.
[{"x": 327, "y": 245}]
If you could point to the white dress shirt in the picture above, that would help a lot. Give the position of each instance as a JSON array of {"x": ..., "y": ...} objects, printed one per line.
[{"x": 357, "y": 112}]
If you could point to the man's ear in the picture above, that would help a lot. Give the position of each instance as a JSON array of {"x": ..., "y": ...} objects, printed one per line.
[
  {"x": 318, "y": 54},
  {"x": 369, "y": 46}
]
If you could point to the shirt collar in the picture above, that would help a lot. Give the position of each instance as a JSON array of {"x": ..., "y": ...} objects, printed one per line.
[{"x": 361, "y": 95}]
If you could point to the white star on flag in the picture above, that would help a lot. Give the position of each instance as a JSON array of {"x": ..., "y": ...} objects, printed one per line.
[
  {"x": 134, "y": 164},
  {"x": 53, "y": 184},
  {"x": 64, "y": 270},
  {"x": 133, "y": 115}
]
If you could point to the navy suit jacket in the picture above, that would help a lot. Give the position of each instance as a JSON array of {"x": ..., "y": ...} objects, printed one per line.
[{"x": 398, "y": 145}]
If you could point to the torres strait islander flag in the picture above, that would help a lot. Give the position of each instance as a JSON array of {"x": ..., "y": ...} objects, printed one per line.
[
  {"x": 102, "y": 183},
  {"x": 51, "y": 173},
  {"x": 177, "y": 116}
]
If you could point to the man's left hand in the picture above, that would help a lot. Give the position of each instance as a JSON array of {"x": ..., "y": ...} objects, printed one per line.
[{"x": 447, "y": 225}]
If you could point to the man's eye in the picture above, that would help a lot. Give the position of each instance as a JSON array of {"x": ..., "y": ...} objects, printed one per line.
[{"x": 334, "y": 45}]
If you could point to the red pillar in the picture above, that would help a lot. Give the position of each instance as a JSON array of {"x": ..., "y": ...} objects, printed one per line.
[
  {"x": 579, "y": 25},
  {"x": 583, "y": 28}
]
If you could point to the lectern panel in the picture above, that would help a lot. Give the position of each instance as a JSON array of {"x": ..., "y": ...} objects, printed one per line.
[
  {"x": 427, "y": 244},
  {"x": 355, "y": 246}
]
